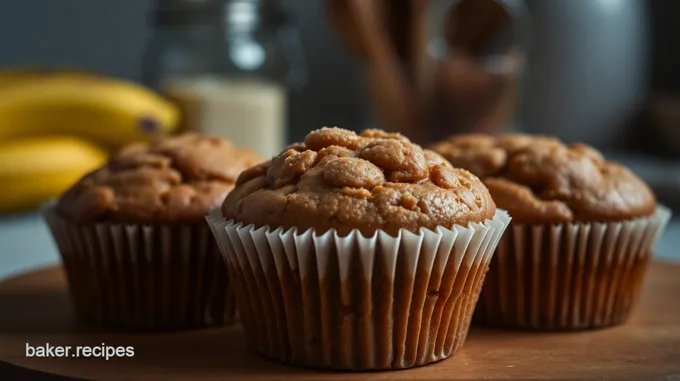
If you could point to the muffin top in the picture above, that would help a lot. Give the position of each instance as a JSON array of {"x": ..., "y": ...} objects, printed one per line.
[
  {"x": 176, "y": 179},
  {"x": 539, "y": 179},
  {"x": 339, "y": 180}
]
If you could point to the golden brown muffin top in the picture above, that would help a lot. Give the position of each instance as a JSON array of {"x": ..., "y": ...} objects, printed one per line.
[
  {"x": 339, "y": 180},
  {"x": 174, "y": 179},
  {"x": 539, "y": 179}
]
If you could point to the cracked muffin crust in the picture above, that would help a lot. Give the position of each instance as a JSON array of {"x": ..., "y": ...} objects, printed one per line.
[
  {"x": 539, "y": 179},
  {"x": 339, "y": 180},
  {"x": 176, "y": 179}
]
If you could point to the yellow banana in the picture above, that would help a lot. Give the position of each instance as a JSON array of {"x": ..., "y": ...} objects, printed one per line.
[
  {"x": 36, "y": 169},
  {"x": 24, "y": 74},
  {"x": 108, "y": 111}
]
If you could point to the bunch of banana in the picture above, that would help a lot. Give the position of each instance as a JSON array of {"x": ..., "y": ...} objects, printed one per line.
[
  {"x": 107, "y": 111},
  {"x": 57, "y": 125}
]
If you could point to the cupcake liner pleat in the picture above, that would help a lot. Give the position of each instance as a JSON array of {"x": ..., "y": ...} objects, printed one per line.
[
  {"x": 356, "y": 302},
  {"x": 569, "y": 276},
  {"x": 144, "y": 276}
]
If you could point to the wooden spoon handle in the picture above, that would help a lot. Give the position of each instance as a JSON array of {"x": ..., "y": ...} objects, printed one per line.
[
  {"x": 387, "y": 81},
  {"x": 341, "y": 17},
  {"x": 421, "y": 62}
]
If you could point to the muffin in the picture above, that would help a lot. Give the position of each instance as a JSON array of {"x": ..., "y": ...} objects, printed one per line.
[
  {"x": 582, "y": 234},
  {"x": 357, "y": 252},
  {"x": 133, "y": 239}
]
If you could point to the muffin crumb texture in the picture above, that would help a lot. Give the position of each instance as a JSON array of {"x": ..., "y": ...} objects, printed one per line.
[
  {"x": 175, "y": 179},
  {"x": 341, "y": 180},
  {"x": 540, "y": 179}
]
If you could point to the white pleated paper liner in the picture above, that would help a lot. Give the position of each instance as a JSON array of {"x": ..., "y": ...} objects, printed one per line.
[
  {"x": 569, "y": 276},
  {"x": 144, "y": 277},
  {"x": 357, "y": 303}
]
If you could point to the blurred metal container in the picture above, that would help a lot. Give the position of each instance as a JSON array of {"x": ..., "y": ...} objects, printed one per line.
[{"x": 587, "y": 69}]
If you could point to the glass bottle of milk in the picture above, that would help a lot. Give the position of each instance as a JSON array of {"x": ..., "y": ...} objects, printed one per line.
[{"x": 228, "y": 64}]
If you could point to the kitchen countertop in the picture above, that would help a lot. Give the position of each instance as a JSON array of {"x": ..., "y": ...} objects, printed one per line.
[{"x": 25, "y": 244}]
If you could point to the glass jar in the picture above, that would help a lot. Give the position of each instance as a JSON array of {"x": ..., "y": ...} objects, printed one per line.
[{"x": 228, "y": 64}]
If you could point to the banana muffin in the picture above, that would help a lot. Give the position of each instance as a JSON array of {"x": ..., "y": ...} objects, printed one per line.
[
  {"x": 357, "y": 251},
  {"x": 133, "y": 238},
  {"x": 582, "y": 234}
]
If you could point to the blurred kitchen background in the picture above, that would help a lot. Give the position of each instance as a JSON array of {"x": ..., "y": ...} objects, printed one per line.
[{"x": 265, "y": 72}]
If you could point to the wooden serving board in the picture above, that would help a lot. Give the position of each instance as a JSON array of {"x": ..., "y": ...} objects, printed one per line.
[{"x": 35, "y": 310}]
